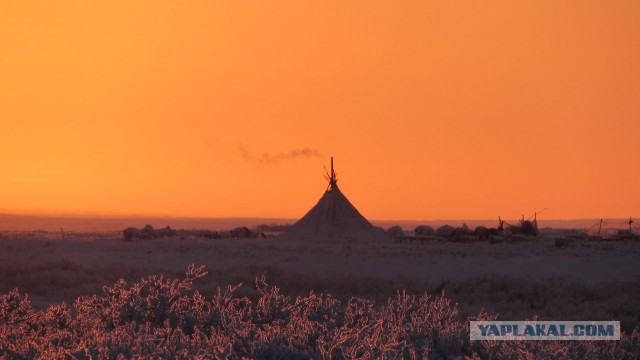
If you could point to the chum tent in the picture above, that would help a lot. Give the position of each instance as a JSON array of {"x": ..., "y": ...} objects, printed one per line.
[{"x": 334, "y": 217}]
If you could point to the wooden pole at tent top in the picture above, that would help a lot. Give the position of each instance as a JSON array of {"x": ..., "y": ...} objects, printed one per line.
[{"x": 332, "y": 176}]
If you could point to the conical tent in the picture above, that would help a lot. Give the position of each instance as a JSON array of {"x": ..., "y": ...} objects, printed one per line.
[{"x": 334, "y": 217}]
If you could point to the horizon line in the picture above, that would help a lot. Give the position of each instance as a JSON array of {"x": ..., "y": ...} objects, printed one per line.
[{"x": 5, "y": 212}]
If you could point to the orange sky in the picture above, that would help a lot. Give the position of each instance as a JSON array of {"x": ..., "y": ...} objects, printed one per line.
[{"x": 433, "y": 109}]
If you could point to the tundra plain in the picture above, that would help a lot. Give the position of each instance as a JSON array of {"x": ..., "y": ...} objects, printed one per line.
[{"x": 586, "y": 280}]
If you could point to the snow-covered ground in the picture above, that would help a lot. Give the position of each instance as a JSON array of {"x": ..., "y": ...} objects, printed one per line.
[{"x": 586, "y": 280}]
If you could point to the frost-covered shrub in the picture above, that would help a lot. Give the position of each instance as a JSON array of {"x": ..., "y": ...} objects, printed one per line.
[{"x": 164, "y": 318}]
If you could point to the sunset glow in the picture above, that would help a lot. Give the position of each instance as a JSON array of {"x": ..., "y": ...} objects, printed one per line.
[{"x": 432, "y": 110}]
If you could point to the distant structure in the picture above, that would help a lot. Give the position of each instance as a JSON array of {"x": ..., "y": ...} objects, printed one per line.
[
  {"x": 333, "y": 217},
  {"x": 613, "y": 230},
  {"x": 525, "y": 227},
  {"x": 147, "y": 233}
]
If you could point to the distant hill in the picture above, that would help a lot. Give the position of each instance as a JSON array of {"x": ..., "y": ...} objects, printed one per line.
[{"x": 9, "y": 222}]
